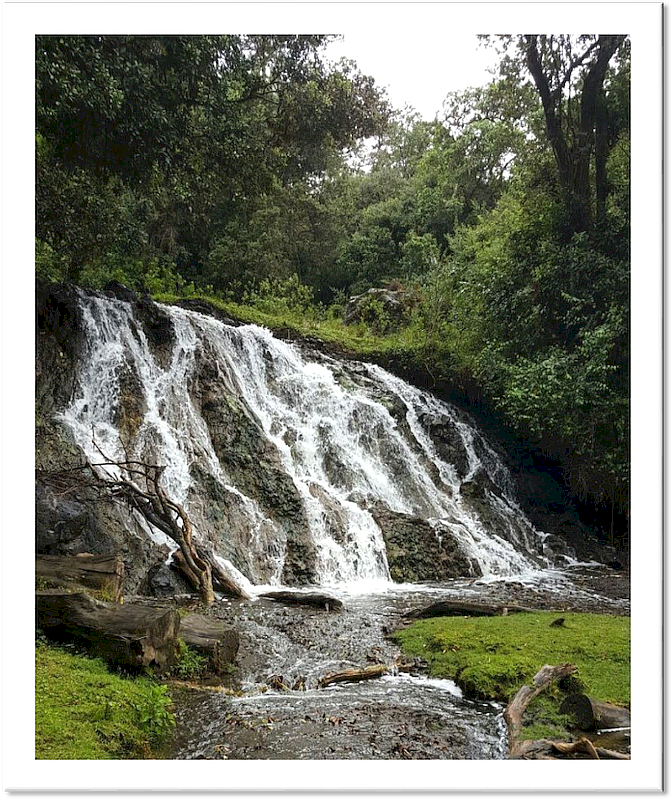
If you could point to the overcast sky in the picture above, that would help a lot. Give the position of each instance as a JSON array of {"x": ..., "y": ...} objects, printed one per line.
[{"x": 418, "y": 70}]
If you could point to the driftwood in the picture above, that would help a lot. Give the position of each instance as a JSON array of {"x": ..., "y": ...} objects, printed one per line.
[
  {"x": 101, "y": 573},
  {"x": 305, "y": 599},
  {"x": 544, "y": 748},
  {"x": 139, "y": 485},
  {"x": 363, "y": 674},
  {"x": 518, "y": 705},
  {"x": 221, "y": 580},
  {"x": 460, "y": 608},
  {"x": 129, "y": 635},
  {"x": 218, "y": 643},
  {"x": 589, "y": 714}
]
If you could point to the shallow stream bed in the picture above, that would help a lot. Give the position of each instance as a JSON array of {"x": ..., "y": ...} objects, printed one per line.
[{"x": 397, "y": 716}]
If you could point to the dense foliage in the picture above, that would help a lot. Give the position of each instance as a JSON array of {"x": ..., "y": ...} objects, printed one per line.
[{"x": 231, "y": 166}]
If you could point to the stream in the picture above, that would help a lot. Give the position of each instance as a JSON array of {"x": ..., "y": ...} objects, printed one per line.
[{"x": 398, "y": 716}]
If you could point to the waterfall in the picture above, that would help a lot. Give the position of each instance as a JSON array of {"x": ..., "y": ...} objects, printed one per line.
[{"x": 344, "y": 436}]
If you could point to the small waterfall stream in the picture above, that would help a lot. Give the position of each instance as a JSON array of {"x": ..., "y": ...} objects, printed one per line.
[{"x": 283, "y": 460}]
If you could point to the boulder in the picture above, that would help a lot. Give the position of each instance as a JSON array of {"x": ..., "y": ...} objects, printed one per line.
[
  {"x": 415, "y": 552},
  {"x": 365, "y": 307}
]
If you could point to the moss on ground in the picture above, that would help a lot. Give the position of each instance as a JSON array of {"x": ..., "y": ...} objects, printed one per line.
[
  {"x": 357, "y": 339},
  {"x": 82, "y": 711},
  {"x": 491, "y": 657}
]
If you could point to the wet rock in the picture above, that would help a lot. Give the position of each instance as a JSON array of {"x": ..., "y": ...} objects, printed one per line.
[
  {"x": 119, "y": 291},
  {"x": 59, "y": 345},
  {"x": 414, "y": 551},
  {"x": 163, "y": 581},
  {"x": 256, "y": 469},
  {"x": 158, "y": 328},
  {"x": 447, "y": 440},
  {"x": 478, "y": 485}
]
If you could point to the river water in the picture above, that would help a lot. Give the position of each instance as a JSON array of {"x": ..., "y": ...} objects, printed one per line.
[{"x": 398, "y": 716}]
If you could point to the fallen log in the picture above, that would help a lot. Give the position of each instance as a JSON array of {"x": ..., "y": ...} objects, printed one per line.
[
  {"x": 305, "y": 599},
  {"x": 211, "y": 638},
  {"x": 518, "y": 705},
  {"x": 363, "y": 674},
  {"x": 460, "y": 608},
  {"x": 223, "y": 579},
  {"x": 545, "y": 749},
  {"x": 130, "y": 635},
  {"x": 589, "y": 714},
  {"x": 100, "y": 573}
]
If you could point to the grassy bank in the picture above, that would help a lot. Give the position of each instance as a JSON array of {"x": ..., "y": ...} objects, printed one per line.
[
  {"x": 359, "y": 339},
  {"x": 82, "y": 711},
  {"x": 492, "y": 657}
]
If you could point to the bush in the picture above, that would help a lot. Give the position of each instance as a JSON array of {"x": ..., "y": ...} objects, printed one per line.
[{"x": 189, "y": 664}]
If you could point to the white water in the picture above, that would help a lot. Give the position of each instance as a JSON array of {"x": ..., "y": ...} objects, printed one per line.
[{"x": 330, "y": 423}]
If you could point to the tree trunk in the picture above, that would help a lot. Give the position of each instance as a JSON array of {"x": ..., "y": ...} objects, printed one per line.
[
  {"x": 363, "y": 674},
  {"x": 305, "y": 599},
  {"x": 218, "y": 577},
  {"x": 217, "y": 642},
  {"x": 461, "y": 608},
  {"x": 518, "y": 705},
  {"x": 573, "y": 155},
  {"x": 132, "y": 636},
  {"x": 101, "y": 573}
]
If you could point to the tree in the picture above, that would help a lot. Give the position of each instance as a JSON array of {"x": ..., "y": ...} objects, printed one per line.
[
  {"x": 569, "y": 74},
  {"x": 152, "y": 145}
]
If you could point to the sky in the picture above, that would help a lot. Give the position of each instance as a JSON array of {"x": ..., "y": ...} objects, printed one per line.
[
  {"x": 421, "y": 51},
  {"x": 418, "y": 70}
]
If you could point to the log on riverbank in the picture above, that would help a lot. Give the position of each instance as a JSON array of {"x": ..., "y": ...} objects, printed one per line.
[
  {"x": 305, "y": 599},
  {"x": 589, "y": 714},
  {"x": 211, "y": 638},
  {"x": 221, "y": 580},
  {"x": 131, "y": 636},
  {"x": 544, "y": 749},
  {"x": 100, "y": 573},
  {"x": 461, "y": 608}
]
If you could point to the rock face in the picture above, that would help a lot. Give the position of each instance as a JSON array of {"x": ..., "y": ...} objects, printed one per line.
[
  {"x": 69, "y": 518},
  {"x": 280, "y": 459},
  {"x": 415, "y": 552},
  {"x": 376, "y": 307},
  {"x": 255, "y": 467}
]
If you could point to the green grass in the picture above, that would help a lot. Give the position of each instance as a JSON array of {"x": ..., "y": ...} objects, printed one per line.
[
  {"x": 82, "y": 711},
  {"x": 358, "y": 338},
  {"x": 492, "y": 657}
]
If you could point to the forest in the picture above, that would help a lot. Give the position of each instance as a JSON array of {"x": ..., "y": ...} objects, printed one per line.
[{"x": 252, "y": 172}]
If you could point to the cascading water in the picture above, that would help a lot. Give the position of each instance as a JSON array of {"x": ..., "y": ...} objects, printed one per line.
[
  {"x": 294, "y": 466},
  {"x": 348, "y": 436}
]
